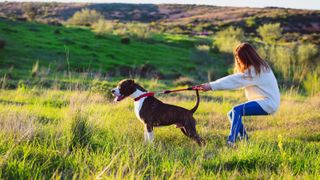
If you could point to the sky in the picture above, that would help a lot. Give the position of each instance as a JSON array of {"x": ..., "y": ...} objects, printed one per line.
[{"x": 296, "y": 4}]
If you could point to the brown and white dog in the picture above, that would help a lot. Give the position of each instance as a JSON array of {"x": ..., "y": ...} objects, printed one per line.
[{"x": 153, "y": 112}]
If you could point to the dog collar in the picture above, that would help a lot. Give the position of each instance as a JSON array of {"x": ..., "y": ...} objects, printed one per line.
[{"x": 144, "y": 95}]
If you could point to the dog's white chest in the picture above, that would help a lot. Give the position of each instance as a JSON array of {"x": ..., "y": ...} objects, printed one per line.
[{"x": 137, "y": 107}]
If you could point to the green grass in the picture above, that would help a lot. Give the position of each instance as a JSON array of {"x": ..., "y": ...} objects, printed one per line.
[
  {"x": 81, "y": 50},
  {"x": 63, "y": 124},
  {"x": 37, "y": 133}
]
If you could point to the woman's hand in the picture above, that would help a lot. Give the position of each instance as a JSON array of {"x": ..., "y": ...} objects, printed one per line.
[{"x": 203, "y": 87}]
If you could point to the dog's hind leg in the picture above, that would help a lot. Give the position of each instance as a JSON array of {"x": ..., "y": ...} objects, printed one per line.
[
  {"x": 184, "y": 131},
  {"x": 192, "y": 132}
]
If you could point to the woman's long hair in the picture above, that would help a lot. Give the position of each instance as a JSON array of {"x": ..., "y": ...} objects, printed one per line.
[{"x": 245, "y": 56}]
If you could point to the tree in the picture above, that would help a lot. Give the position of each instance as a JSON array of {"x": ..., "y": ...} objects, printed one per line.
[{"x": 270, "y": 33}]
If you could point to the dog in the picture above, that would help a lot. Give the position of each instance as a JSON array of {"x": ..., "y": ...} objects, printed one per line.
[{"x": 153, "y": 113}]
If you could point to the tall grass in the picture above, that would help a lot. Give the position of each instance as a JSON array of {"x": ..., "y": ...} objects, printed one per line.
[{"x": 281, "y": 146}]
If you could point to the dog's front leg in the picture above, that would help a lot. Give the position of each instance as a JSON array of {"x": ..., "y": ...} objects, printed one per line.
[
  {"x": 145, "y": 134},
  {"x": 150, "y": 133}
]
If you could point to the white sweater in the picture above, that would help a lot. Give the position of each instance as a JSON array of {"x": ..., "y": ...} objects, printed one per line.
[{"x": 261, "y": 88}]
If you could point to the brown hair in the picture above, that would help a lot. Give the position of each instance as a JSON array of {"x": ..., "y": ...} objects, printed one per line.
[{"x": 245, "y": 56}]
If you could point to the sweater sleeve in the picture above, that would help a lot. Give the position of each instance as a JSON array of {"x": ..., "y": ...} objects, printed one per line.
[{"x": 234, "y": 81}]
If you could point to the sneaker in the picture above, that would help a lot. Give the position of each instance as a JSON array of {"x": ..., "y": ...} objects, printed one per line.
[
  {"x": 230, "y": 144},
  {"x": 244, "y": 138}
]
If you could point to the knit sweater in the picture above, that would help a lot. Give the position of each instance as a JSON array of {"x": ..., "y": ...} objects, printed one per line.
[{"x": 261, "y": 88}]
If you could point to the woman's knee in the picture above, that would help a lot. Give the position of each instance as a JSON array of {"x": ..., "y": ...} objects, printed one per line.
[
  {"x": 230, "y": 115},
  {"x": 238, "y": 109}
]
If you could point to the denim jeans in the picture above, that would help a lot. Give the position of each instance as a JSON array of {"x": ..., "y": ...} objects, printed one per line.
[{"x": 251, "y": 108}]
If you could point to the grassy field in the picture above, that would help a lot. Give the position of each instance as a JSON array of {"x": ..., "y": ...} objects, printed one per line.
[
  {"x": 37, "y": 131},
  {"x": 58, "y": 49},
  {"x": 61, "y": 123}
]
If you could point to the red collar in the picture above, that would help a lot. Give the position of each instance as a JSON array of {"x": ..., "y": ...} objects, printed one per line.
[{"x": 144, "y": 95}]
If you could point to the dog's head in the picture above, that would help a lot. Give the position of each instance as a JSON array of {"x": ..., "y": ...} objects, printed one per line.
[{"x": 125, "y": 88}]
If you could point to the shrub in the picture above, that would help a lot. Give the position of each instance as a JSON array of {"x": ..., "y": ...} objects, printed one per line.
[
  {"x": 270, "y": 33},
  {"x": 306, "y": 53},
  {"x": 103, "y": 27},
  {"x": 311, "y": 84},
  {"x": 85, "y": 17},
  {"x": 138, "y": 30},
  {"x": 125, "y": 40},
  {"x": 103, "y": 87},
  {"x": 250, "y": 22},
  {"x": 203, "y": 48},
  {"x": 30, "y": 11},
  {"x": 292, "y": 61},
  {"x": 226, "y": 40}
]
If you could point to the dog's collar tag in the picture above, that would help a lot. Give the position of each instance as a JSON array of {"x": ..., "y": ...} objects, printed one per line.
[{"x": 144, "y": 95}]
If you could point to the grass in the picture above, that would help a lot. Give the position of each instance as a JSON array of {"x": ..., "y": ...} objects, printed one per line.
[
  {"x": 36, "y": 136},
  {"x": 62, "y": 123},
  {"x": 56, "y": 49}
]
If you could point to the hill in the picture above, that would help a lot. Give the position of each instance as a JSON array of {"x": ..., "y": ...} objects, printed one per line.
[
  {"x": 56, "y": 49},
  {"x": 211, "y": 18}
]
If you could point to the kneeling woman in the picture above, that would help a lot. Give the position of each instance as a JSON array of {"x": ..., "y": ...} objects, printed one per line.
[{"x": 261, "y": 89}]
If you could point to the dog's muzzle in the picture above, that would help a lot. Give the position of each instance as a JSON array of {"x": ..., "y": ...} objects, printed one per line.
[{"x": 118, "y": 97}]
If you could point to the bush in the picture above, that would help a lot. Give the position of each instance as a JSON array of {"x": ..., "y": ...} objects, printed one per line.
[
  {"x": 125, "y": 40},
  {"x": 137, "y": 30},
  {"x": 250, "y": 22},
  {"x": 270, "y": 33},
  {"x": 306, "y": 53},
  {"x": 293, "y": 61},
  {"x": 30, "y": 11},
  {"x": 203, "y": 48},
  {"x": 312, "y": 84},
  {"x": 226, "y": 40},
  {"x": 85, "y": 17},
  {"x": 103, "y": 27}
]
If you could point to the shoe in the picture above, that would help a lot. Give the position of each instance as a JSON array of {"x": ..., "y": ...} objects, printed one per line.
[
  {"x": 244, "y": 138},
  {"x": 230, "y": 144}
]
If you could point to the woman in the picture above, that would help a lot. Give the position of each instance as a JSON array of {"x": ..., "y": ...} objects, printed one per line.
[{"x": 253, "y": 74}]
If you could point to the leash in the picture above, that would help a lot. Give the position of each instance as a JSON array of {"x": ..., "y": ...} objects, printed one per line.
[
  {"x": 193, "y": 88},
  {"x": 178, "y": 90}
]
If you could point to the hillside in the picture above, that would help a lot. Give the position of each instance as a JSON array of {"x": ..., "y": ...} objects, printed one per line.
[
  {"x": 212, "y": 17},
  {"x": 57, "y": 49}
]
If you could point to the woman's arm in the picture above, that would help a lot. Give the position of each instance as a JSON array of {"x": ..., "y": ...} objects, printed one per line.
[{"x": 234, "y": 81}]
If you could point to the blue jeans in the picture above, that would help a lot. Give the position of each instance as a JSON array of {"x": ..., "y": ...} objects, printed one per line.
[{"x": 251, "y": 108}]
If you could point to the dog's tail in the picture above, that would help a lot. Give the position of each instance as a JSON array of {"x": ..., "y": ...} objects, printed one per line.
[{"x": 193, "y": 110}]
